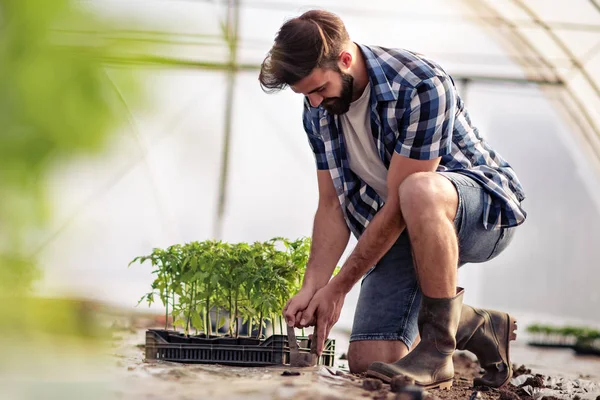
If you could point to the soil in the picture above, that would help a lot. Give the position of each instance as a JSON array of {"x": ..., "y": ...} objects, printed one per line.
[
  {"x": 372, "y": 384},
  {"x": 139, "y": 380},
  {"x": 522, "y": 370},
  {"x": 400, "y": 382}
]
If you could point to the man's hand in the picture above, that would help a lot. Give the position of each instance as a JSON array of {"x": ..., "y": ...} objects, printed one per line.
[
  {"x": 324, "y": 308},
  {"x": 295, "y": 307}
]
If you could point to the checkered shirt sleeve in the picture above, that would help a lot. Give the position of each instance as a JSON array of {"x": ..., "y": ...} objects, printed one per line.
[{"x": 428, "y": 133}]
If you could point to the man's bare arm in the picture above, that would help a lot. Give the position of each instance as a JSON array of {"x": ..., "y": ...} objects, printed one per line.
[
  {"x": 329, "y": 240},
  {"x": 330, "y": 235}
]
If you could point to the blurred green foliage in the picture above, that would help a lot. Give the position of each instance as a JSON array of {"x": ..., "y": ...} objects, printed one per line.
[{"x": 56, "y": 102}]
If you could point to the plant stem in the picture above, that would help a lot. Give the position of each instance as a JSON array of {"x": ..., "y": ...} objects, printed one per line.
[
  {"x": 209, "y": 328},
  {"x": 260, "y": 326},
  {"x": 218, "y": 321},
  {"x": 231, "y": 314},
  {"x": 237, "y": 322},
  {"x": 195, "y": 304},
  {"x": 204, "y": 321},
  {"x": 173, "y": 311},
  {"x": 191, "y": 305},
  {"x": 167, "y": 308},
  {"x": 280, "y": 325}
]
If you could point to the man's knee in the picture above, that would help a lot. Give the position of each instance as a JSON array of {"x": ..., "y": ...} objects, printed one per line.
[
  {"x": 422, "y": 193},
  {"x": 363, "y": 353}
]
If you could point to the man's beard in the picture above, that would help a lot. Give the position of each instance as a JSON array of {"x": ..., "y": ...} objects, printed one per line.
[{"x": 341, "y": 105}]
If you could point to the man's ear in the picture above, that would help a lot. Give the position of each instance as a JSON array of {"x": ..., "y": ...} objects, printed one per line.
[{"x": 345, "y": 60}]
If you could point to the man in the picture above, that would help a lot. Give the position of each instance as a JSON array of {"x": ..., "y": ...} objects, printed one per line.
[{"x": 401, "y": 167}]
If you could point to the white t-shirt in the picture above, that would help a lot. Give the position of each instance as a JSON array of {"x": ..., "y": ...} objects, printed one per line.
[{"x": 360, "y": 145}]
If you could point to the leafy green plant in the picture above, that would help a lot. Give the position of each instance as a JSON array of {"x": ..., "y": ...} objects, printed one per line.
[
  {"x": 167, "y": 265},
  {"x": 249, "y": 282}
]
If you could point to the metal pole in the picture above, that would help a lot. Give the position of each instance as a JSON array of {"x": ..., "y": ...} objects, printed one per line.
[{"x": 231, "y": 34}]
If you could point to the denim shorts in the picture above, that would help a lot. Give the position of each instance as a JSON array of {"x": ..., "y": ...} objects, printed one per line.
[{"x": 389, "y": 300}]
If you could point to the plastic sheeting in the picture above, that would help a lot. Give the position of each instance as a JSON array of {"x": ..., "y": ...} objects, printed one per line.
[
  {"x": 556, "y": 44},
  {"x": 158, "y": 185}
]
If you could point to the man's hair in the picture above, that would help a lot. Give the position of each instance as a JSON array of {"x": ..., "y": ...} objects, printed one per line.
[{"x": 313, "y": 40}]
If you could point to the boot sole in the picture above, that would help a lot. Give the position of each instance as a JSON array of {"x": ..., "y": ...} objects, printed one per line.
[{"x": 446, "y": 385}]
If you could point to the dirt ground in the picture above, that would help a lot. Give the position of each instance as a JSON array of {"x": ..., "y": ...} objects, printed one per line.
[{"x": 139, "y": 380}]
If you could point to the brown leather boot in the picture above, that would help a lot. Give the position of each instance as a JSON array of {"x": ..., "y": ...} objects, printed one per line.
[
  {"x": 430, "y": 363},
  {"x": 487, "y": 334}
]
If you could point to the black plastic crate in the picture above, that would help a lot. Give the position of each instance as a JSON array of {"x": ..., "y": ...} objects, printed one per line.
[
  {"x": 249, "y": 352},
  {"x": 550, "y": 345},
  {"x": 587, "y": 347}
]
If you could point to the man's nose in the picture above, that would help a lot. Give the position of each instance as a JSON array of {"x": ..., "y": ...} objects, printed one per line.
[{"x": 315, "y": 99}]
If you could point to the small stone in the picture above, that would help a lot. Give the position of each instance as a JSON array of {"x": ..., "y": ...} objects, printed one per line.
[
  {"x": 343, "y": 356},
  {"x": 429, "y": 396},
  {"x": 380, "y": 396},
  {"x": 372, "y": 384},
  {"x": 290, "y": 373},
  {"x": 177, "y": 373},
  {"x": 130, "y": 368},
  {"x": 412, "y": 393},
  {"x": 508, "y": 395},
  {"x": 535, "y": 381},
  {"x": 399, "y": 382},
  {"x": 597, "y": 397},
  {"x": 522, "y": 370},
  {"x": 577, "y": 397},
  {"x": 475, "y": 396}
]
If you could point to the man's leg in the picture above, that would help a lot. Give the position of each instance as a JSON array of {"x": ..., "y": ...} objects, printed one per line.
[
  {"x": 385, "y": 321},
  {"x": 486, "y": 333},
  {"x": 363, "y": 353},
  {"x": 427, "y": 201}
]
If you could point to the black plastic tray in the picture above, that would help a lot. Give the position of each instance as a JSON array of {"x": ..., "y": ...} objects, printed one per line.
[
  {"x": 249, "y": 352},
  {"x": 587, "y": 351},
  {"x": 588, "y": 347},
  {"x": 579, "y": 348},
  {"x": 550, "y": 345}
]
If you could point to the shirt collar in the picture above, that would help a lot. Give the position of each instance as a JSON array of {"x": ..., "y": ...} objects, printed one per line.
[{"x": 380, "y": 84}]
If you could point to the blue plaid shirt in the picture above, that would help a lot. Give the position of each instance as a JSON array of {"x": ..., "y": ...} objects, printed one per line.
[{"x": 417, "y": 113}]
